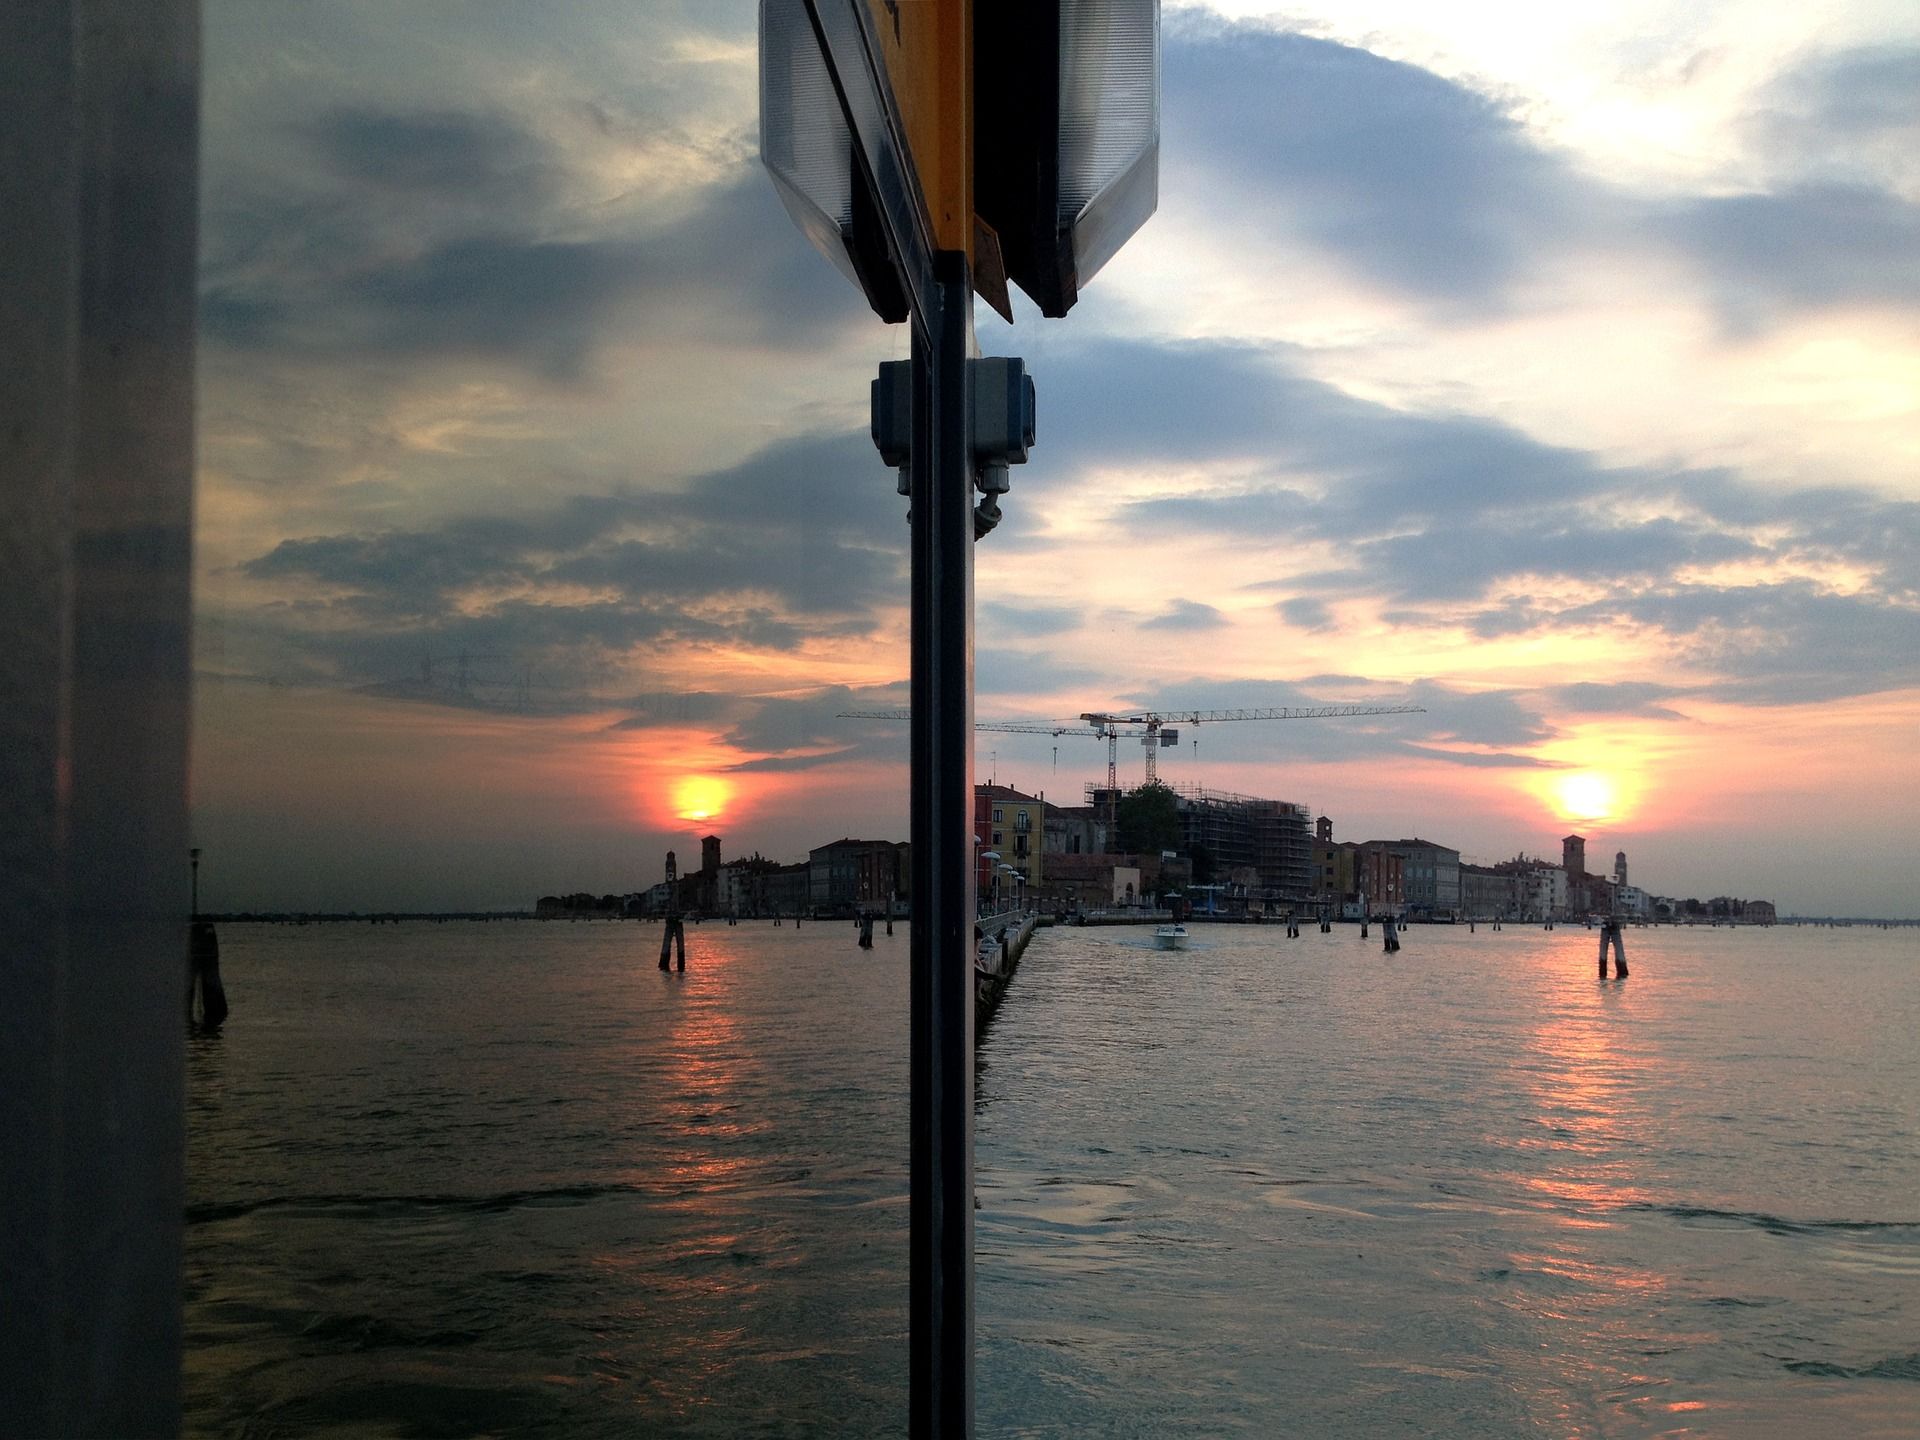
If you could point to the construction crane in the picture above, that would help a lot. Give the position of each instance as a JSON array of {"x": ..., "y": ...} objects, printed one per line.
[{"x": 1153, "y": 728}]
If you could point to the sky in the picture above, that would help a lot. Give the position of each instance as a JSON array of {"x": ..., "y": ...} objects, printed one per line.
[{"x": 1554, "y": 368}]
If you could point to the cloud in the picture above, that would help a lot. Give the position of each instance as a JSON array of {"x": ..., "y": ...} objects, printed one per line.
[
  {"x": 675, "y": 707},
  {"x": 1455, "y": 521},
  {"x": 463, "y": 235},
  {"x": 1303, "y": 612},
  {"x": 1030, "y": 621},
  {"x": 1001, "y": 670},
  {"x": 1780, "y": 644},
  {"x": 1478, "y": 759},
  {"x": 1846, "y": 115},
  {"x": 1422, "y": 185},
  {"x": 1617, "y": 697},
  {"x": 1810, "y": 245},
  {"x": 470, "y": 155},
  {"x": 791, "y": 734},
  {"x": 775, "y": 552},
  {"x": 1430, "y": 190},
  {"x": 1186, "y": 615}
]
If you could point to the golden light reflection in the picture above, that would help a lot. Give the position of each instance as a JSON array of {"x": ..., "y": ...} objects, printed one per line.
[
  {"x": 701, "y": 797},
  {"x": 1586, "y": 1149}
]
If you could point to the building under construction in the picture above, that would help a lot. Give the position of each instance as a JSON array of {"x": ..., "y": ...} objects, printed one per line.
[{"x": 1272, "y": 839}]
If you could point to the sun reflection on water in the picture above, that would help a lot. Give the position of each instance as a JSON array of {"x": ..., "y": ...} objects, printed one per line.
[{"x": 1587, "y": 1151}]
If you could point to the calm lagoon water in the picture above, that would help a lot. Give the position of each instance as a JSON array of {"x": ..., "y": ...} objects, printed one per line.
[{"x": 510, "y": 1179}]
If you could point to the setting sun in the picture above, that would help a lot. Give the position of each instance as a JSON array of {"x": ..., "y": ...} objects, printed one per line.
[
  {"x": 1586, "y": 795},
  {"x": 701, "y": 797}
]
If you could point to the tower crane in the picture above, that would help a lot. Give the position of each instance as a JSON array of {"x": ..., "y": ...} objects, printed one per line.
[{"x": 1153, "y": 728}]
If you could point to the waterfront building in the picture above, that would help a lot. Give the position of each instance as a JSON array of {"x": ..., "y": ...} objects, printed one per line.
[
  {"x": 1379, "y": 877},
  {"x": 1333, "y": 880},
  {"x": 851, "y": 875},
  {"x": 1488, "y": 892},
  {"x": 733, "y": 889},
  {"x": 1357, "y": 879},
  {"x": 1012, "y": 825},
  {"x": 1074, "y": 830},
  {"x": 1540, "y": 887},
  {"x": 1096, "y": 882},
  {"x": 1628, "y": 901},
  {"x": 784, "y": 889},
  {"x": 1431, "y": 882}
]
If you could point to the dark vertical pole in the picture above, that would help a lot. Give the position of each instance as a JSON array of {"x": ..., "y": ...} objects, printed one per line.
[
  {"x": 942, "y": 802},
  {"x": 98, "y": 202}
]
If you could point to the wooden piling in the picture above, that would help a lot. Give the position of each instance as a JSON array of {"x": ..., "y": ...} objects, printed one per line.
[
  {"x": 673, "y": 934},
  {"x": 203, "y": 976}
]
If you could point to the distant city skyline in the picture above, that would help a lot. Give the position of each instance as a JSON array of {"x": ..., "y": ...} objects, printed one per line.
[{"x": 1557, "y": 372}]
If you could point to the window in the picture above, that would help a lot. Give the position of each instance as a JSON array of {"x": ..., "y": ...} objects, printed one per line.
[
  {"x": 998, "y": 815},
  {"x": 996, "y": 838}
]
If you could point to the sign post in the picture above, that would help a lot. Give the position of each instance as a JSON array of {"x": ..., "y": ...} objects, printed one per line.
[
  {"x": 943, "y": 882},
  {"x": 876, "y": 142}
]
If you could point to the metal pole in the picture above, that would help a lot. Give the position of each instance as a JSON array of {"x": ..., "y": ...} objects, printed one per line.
[
  {"x": 941, "y": 1303},
  {"x": 99, "y": 106}
]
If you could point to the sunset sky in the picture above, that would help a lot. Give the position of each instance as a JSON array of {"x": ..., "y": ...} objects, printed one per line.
[{"x": 1556, "y": 368}]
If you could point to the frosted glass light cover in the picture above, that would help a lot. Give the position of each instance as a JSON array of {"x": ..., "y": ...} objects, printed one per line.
[
  {"x": 804, "y": 140},
  {"x": 1109, "y": 125}
]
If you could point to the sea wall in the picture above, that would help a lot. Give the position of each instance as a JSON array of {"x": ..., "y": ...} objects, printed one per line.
[{"x": 1003, "y": 941}]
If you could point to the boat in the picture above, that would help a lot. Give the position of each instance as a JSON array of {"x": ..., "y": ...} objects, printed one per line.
[{"x": 1170, "y": 937}]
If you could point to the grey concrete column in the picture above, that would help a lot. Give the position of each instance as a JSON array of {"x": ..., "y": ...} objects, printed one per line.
[{"x": 98, "y": 154}]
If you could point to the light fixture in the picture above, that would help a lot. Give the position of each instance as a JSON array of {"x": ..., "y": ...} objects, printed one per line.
[
  {"x": 809, "y": 152},
  {"x": 1066, "y": 135}
]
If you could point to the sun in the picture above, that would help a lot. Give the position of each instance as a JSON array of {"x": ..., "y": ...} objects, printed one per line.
[
  {"x": 701, "y": 797},
  {"x": 1587, "y": 795}
]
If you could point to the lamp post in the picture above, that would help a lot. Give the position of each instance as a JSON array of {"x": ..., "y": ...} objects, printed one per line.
[{"x": 193, "y": 857}]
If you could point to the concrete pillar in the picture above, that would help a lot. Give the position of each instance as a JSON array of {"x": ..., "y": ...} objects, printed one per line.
[{"x": 99, "y": 106}]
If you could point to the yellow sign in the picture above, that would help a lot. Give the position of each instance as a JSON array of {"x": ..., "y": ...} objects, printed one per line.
[{"x": 926, "y": 50}]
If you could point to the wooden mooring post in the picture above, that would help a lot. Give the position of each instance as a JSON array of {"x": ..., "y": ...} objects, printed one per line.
[
  {"x": 673, "y": 933},
  {"x": 1610, "y": 932}
]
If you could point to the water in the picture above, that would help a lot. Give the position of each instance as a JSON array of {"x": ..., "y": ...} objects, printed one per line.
[{"x": 492, "y": 1179}]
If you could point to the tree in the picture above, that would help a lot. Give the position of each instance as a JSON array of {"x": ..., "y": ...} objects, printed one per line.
[{"x": 1149, "y": 820}]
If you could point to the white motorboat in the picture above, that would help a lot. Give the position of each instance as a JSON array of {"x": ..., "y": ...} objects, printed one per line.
[{"x": 1170, "y": 937}]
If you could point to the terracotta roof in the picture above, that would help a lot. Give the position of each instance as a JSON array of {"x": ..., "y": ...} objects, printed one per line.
[{"x": 1006, "y": 793}]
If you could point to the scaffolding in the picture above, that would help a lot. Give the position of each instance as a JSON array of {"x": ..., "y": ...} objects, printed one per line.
[{"x": 1273, "y": 838}]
